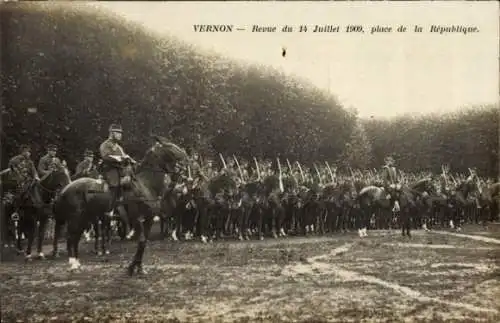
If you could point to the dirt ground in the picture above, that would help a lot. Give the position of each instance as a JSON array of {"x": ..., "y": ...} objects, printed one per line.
[{"x": 341, "y": 278}]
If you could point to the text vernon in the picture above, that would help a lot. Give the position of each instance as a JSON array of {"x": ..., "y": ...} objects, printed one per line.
[{"x": 213, "y": 28}]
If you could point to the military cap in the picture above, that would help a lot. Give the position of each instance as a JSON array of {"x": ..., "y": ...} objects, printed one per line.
[
  {"x": 51, "y": 147},
  {"x": 115, "y": 128},
  {"x": 24, "y": 147},
  {"x": 88, "y": 153}
]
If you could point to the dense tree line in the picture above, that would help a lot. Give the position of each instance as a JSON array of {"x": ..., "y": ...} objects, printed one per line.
[
  {"x": 66, "y": 76},
  {"x": 83, "y": 71},
  {"x": 463, "y": 139}
]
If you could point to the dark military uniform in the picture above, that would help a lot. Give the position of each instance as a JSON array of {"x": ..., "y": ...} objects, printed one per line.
[
  {"x": 111, "y": 166},
  {"x": 24, "y": 169},
  {"x": 86, "y": 168},
  {"x": 48, "y": 163},
  {"x": 24, "y": 173},
  {"x": 389, "y": 175}
]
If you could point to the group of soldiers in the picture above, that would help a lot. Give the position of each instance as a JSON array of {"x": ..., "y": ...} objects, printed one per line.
[{"x": 112, "y": 158}]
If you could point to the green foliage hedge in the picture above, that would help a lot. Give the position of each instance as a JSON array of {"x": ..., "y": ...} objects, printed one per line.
[{"x": 83, "y": 70}]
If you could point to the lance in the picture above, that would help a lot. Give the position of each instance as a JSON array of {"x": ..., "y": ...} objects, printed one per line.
[
  {"x": 289, "y": 166},
  {"x": 257, "y": 167},
  {"x": 5, "y": 171},
  {"x": 352, "y": 173},
  {"x": 301, "y": 172},
  {"x": 319, "y": 175},
  {"x": 330, "y": 171},
  {"x": 444, "y": 176},
  {"x": 239, "y": 168},
  {"x": 189, "y": 173},
  {"x": 452, "y": 178},
  {"x": 280, "y": 175},
  {"x": 223, "y": 161},
  {"x": 291, "y": 170}
]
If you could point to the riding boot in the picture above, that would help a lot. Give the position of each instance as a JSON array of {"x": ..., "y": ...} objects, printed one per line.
[{"x": 114, "y": 191}]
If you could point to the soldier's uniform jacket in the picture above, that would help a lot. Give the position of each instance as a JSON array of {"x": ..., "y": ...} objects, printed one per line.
[
  {"x": 47, "y": 164},
  {"x": 85, "y": 168},
  {"x": 24, "y": 169},
  {"x": 389, "y": 175},
  {"x": 111, "y": 167}
]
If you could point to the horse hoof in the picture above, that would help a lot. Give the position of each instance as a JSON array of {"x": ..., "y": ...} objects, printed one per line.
[
  {"x": 41, "y": 256},
  {"x": 28, "y": 258},
  {"x": 141, "y": 271},
  {"x": 55, "y": 254},
  {"x": 107, "y": 252},
  {"x": 99, "y": 253}
]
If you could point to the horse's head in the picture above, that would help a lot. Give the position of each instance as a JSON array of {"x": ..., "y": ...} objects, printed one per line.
[
  {"x": 167, "y": 157},
  {"x": 58, "y": 178},
  {"x": 33, "y": 195}
]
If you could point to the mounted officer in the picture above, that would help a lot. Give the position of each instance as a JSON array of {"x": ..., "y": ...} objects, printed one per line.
[
  {"x": 86, "y": 168},
  {"x": 24, "y": 173},
  {"x": 389, "y": 173},
  {"x": 49, "y": 162},
  {"x": 114, "y": 159},
  {"x": 23, "y": 167}
]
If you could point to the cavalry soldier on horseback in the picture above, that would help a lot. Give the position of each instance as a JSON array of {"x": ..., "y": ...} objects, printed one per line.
[
  {"x": 24, "y": 172},
  {"x": 389, "y": 173},
  {"x": 49, "y": 162},
  {"x": 23, "y": 167},
  {"x": 86, "y": 168},
  {"x": 113, "y": 161}
]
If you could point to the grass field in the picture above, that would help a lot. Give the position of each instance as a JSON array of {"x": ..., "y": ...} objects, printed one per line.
[{"x": 429, "y": 278}]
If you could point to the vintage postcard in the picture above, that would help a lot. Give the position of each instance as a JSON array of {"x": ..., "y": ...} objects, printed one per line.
[{"x": 250, "y": 161}]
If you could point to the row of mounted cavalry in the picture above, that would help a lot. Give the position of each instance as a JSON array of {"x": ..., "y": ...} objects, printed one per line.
[{"x": 191, "y": 201}]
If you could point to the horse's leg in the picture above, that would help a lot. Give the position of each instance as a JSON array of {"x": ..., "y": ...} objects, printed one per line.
[
  {"x": 143, "y": 228},
  {"x": 202, "y": 222},
  {"x": 260, "y": 213},
  {"x": 97, "y": 235},
  {"x": 43, "y": 219},
  {"x": 30, "y": 233},
  {"x": 108, "y": 231},
  {"x": 57, "y": 232},
  {"x": 177, "y": 218},
  {"x": 19, "y": 229},
  {"x": 71, "y": 244},
  {"x": 104, "y": 232}
]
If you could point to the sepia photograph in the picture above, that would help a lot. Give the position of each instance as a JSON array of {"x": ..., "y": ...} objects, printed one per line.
[{"x": 250, "y": 161}]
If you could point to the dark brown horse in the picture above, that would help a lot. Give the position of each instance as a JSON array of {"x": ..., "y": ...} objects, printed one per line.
[
  {"x": 85, "y": 198},
  {"x": 50, "y": 185},
  {"x": 28, "y": 210}
]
